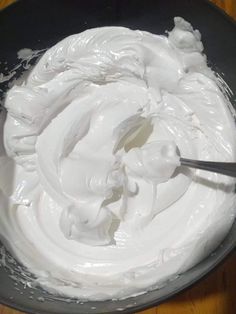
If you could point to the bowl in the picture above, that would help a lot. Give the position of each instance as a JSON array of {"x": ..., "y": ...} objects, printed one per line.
[{"x": 39, "y": 25}]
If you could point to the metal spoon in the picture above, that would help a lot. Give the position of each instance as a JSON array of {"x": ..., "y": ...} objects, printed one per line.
[{"x": 226, "y": 168}]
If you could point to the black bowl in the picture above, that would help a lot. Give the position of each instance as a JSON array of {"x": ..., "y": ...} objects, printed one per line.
[{"x": 40, "y": 24}]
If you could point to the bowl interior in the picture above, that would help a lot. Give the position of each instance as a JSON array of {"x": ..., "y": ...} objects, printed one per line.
[{"x": 37, "y": 25}]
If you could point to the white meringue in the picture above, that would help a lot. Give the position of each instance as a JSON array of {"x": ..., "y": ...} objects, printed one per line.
[{"x": 95, "y": 202}]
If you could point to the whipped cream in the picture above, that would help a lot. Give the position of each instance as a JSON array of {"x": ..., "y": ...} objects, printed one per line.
[
  {"x": 155, "y": 161},
  {"x": 94, "y": 200}
]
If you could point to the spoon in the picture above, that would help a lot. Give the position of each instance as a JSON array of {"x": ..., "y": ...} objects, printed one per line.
[{"x": 226, "y": 168}]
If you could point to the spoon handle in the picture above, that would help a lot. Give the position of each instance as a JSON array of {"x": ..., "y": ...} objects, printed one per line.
[{"x": 226, "y": 168}]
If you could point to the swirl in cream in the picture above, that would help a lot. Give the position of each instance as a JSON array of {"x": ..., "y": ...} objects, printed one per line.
[{"x": 99, "y": 207}]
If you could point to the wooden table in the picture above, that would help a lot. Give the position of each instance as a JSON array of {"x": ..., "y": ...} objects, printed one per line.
[{"x": 216, "y": 294}]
